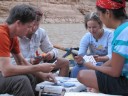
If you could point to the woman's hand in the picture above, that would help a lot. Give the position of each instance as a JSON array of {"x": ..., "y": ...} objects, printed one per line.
[
  {"x": 79, "y": 60},
  {"x": 96, "y": 57},
  {"x": 89, "y": 65}
]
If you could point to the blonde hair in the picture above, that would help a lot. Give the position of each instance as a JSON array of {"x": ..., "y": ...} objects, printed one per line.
[{"x": 92, "y": 16}]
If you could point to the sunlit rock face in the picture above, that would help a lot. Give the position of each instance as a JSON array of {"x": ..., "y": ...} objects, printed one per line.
[{"x": 55, "y": 11}]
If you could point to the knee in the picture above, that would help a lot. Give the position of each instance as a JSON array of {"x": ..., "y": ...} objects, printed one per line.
[
  {"x": 80, "y": 75},
  {"x": 64, "y": 62},
  {"x": 23, "y": 80},
  {"x": 22, "y": 86},
  {"x": 20, "y": 82}
]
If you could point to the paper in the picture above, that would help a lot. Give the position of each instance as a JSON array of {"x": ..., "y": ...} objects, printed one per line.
[{"x": 90, "y": 59}]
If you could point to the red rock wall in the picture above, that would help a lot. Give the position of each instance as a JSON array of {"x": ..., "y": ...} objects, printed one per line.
[{"x": 55, "y": 11}]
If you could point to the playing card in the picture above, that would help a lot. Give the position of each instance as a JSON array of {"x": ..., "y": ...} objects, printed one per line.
[{"x": 89, "y": 59}]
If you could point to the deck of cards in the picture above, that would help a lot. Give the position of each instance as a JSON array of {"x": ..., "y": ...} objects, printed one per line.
[{"x": 90, "y": 59}]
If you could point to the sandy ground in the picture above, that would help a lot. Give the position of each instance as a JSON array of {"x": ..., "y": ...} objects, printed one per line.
[{"x": 65, "y": 35}]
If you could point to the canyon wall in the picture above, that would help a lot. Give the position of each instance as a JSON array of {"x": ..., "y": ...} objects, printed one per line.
[{"x": 55, "y": 11}]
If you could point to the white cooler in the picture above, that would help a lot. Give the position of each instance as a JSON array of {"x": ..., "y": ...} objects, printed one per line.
[{"x": 65, "y": 84}]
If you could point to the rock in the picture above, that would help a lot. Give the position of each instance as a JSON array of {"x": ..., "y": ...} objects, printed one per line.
[{"x": 55, "y": 11}]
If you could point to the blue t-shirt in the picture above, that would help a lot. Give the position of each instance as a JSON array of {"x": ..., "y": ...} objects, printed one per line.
[
  {"x": 102, "y": 47},
  {"x": 120, "y": 45}
]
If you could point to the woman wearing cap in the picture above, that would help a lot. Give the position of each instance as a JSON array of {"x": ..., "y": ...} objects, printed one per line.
[{"x": 111, "y": 78}]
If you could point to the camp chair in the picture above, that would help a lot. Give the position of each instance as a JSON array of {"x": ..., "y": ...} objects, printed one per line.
[{"x": 70, "y": 53}]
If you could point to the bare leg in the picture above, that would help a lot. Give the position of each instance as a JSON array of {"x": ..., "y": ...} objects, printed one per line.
[
  {"x": 88, "y": 78},
  {"x": 63, "y": 65}
]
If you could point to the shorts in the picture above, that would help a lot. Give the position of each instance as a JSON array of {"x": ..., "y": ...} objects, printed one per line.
[{"x": 112, "y": 85}]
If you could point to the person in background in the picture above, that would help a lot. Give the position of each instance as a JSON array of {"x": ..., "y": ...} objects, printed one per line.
[
  {"x": 38, "y": 39},
  {"x": 97, "y": 40},
  {"x": 20, "y": 79},
  {"x": 112, "y": 78}
]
